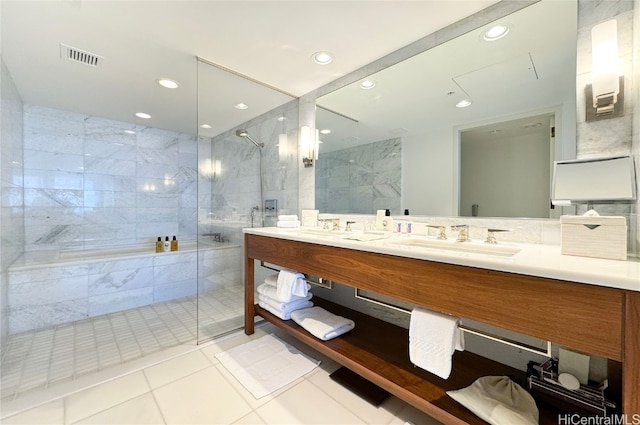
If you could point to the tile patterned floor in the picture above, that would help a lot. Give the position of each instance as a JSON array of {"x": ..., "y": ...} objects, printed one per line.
[
  {"x": 194, "y": 388},
  {"x": 37, "y": 360}
]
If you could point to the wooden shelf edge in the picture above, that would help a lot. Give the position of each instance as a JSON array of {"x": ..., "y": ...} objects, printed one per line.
[{"x": 387, "y": 364}]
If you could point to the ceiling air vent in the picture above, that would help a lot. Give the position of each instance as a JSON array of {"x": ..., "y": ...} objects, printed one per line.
[{"x": 76, "y": 55}]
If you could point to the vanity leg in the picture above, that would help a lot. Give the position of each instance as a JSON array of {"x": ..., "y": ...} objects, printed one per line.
[
  {"x": 249, "y": 310},
  {"x": 631, "y": 356}
]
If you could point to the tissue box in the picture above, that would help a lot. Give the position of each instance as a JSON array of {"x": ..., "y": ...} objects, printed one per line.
[{"x": 599, "y": 237}]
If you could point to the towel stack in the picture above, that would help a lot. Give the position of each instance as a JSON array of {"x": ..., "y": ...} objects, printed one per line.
[
  {"x": 288, "y": 221},
  {"x": 284, "y": 293}
]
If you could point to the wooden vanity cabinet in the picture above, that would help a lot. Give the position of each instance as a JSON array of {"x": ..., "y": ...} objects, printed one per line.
[{"x": 589, "y": 318}]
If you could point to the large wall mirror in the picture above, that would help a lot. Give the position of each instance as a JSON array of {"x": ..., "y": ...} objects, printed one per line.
[{"x": 523, "y": 92}]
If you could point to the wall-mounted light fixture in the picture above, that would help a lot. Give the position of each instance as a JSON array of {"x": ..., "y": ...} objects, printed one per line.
[
  {"x": 604, "y": 97},
  {"x": 307, "y": 146},
  {"x": 283, "y": 148}
]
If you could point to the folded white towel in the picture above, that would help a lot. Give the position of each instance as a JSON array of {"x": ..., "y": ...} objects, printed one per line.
[
  {"x": 321, "y": 323},
  {"x": 433, "y": 337},
  {"x": 292, "y": 217},
  {"x": 271, "y": 291},
  {"x": 288, "y": 224},
  {"x": 290, "y": 284},
  {"x": 271, "y": 279},
  {"x": 287, "y": 307},
  {"x": 274, "y": 311}
]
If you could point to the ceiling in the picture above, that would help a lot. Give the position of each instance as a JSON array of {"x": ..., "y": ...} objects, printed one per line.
[{"x": 140, "y": 41}]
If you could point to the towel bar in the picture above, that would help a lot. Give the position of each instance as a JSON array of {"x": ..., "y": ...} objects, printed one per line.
[
  {"x": 490, "y": 336},
  {"x": 323, "y": 283}
]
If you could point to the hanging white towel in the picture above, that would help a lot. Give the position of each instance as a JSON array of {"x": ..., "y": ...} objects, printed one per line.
[
  {"x": 321, "y": 323},
  {"x": 290, "y": 284},
  {"x": 287, "y": 307},
  {"x": 291, "y": 217},
  {"x": 433, "y": 337},
  {"x": 271, "y": 280}
]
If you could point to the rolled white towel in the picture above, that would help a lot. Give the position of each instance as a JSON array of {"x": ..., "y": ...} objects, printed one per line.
[
  {"x": 291, "y": 217},
  {"x": 274, "y": 311},
  {"x": 270, "y": 291},
  {"x": 291, "y": 284},
  {"x": 294, "y": 224},
  {"x": 321, "y": 323},
  {"x": 286, "y": 307}
]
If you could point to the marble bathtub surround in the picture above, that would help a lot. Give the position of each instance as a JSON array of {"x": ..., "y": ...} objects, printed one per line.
[{"x": 44, "y": 295}]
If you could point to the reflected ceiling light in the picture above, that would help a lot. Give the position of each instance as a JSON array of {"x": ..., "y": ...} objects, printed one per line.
[
  {"x": 207, "y": 126},
  {"x": 143, "y": 115},
  {"x": 322, "y": 58},
  {"x": 168, "y": 83},
  {"x": 281, "y": 119},
  {"x": 496, "y": 32},
  {"x": 130, "y": 131},
  {"x": 463, "y": 103},
  {"x": 241, "y": 106},
  {"x": 367, "y": 84},
  {"x": 325, "y": 131}
]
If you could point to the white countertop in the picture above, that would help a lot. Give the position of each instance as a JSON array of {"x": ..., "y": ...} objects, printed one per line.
[{"x": 531, "y": 259}]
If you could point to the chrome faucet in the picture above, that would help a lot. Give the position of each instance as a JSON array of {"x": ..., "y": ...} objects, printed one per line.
[
  {"x": 336, "y": 223},
  {"x": 491, "y": 237},
  {"x": 463, "y": 232},
  {"x": 348, "y": 227},
  {"x": 442, "y": 234}
]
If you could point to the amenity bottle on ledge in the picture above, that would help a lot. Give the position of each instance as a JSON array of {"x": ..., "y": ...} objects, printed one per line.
[
  {"x": 167, "y": 244},
  {"x": 159, "y": 245},
  {"x": 174, "y": 244}
]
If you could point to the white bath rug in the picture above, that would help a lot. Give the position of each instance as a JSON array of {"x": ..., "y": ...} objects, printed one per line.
[{"x": 266, "y": 364}]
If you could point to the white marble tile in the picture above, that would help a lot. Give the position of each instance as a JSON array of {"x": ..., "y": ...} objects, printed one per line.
[
  {"x": 175, "y": 272},
  {"x": 53, "y": 412},
  {"x": 48, "y": 291},
  {"x": 109, "y": 182},
  {"x": 118, "y": 301},
  {"x": 42, "y": 160},
  {"x": 43, "y": 198},
  {"x": 139, "y": 410},
  {"x": 108, "y": 149},
  {"x": 174, "y": 290},
  {"x": 45, "y": 179},
  {"x": 39, "y": 274},
  {"x": 177, "y": 368},
  {"x": 35, "y": 317},
  {"x": 120, "y": 281},
  {"x": 118, "y": 167}
]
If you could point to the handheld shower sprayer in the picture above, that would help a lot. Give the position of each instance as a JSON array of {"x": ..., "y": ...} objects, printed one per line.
[{"x": 243, "y": 133}]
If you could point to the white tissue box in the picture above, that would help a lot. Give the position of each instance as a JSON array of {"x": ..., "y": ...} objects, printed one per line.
[{"x": 599, "y": 237}]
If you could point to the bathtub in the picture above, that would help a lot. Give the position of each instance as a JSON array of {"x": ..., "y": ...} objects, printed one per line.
[{"x": 50, "y": 288}]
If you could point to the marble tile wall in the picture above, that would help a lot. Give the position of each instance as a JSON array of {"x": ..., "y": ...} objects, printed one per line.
[
  {"x": 50, "y": 294},
  {"x": 361, "y": 179},
  {"x": 90, "y": 181},
  {"x": 11, "y": 199}
]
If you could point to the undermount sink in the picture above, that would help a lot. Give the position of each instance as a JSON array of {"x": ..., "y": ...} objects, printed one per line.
[
  {"x": 469, "y": 247},
  {"x": 323, "y": 232}
]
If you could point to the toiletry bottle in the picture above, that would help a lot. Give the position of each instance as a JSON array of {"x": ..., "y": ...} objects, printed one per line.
[
  {"x": 174, "y": 244},
  {"x": 167, "y": 244},
  {"x": 379, "y": 218},
  {"x": 406, "y": 212},
  {"x": 159, "y": 245}
]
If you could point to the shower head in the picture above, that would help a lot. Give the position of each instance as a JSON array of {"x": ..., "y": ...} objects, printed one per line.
[{"x": 243, "y": 133}]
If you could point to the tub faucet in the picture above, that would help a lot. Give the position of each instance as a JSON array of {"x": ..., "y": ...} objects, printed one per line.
[
  {"x": 442, "y": 234},
  {"x": 463, "y": 232}
]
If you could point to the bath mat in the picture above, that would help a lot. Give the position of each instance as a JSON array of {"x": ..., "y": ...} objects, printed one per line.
[{"x": 266, "y": 364}]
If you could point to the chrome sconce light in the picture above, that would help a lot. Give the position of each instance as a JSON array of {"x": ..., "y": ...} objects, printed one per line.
[
  {"x": 604, "y": 97},
  {"x": 308, "y": 146}
]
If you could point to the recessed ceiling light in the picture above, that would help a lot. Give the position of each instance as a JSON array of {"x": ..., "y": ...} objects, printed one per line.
[
  {"x": 143, "y": 115},
  {"x": 205, "y": 126},
  {"x": 168, "y": 83},
  {"x": 367, "y": 84},
  {"x": 325, "y": 131},
  {"x": 463, "y": 103},
  {"x": 496, "y": 32},
  {"x": 241, "y": 106},
  {"x": 322, "y": 58}
]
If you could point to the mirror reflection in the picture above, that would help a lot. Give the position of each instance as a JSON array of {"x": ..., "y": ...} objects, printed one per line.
[{"x": 525, "y": 79}]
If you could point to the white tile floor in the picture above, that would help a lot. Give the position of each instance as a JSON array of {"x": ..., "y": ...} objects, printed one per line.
[
  {"x": 194, "y": 388},
  {"x": 37, "y": 360}
]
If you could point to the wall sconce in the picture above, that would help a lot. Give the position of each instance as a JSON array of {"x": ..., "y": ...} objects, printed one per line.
[
  {"x": 604, "y": 97},
  {"x": 307, "y": 145},
  {"x": 283, "y": 147}
]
